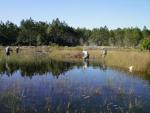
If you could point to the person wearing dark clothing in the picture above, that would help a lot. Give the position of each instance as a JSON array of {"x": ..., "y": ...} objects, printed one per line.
[
  {"x": 8, "y": 50},
  {"x": 17, "y": 50}
]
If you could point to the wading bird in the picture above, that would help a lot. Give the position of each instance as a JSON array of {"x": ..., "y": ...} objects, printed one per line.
[{"x": 131, "y": 68}]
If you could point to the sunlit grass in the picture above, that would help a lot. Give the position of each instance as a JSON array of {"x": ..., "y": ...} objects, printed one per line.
[{"x": 119, "y": 58}]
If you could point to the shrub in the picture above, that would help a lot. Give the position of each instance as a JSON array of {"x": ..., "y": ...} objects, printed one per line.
[{"x": 145, "y": 44}]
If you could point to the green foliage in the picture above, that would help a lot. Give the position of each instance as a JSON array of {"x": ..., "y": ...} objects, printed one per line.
[
  {"x": 100, "y": 36},
  {"x": 62, "y": 34},
  {"x": 132, "y": 36},
  {"x": 119, "y": 37},
  {"x": 32, "y": 33},
  {"x": 35, "y": 33},
  {"x": 8, "y": 33},
  {"x": 83, "y": 35},
  {"x": 146, "y": 44}
]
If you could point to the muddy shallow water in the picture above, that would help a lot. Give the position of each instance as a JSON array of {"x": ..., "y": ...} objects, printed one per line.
[{"x": 65, "y": 87}]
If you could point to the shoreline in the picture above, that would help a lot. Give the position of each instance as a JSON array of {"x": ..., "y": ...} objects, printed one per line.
[{"x": 123, "y": 58}]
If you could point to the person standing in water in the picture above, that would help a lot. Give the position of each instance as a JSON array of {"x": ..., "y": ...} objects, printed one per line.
[
  {"x": 8, "y": 50},
  {"x": 85, "y": 54},
  {"x": 17, "y": 49},
  {"x": 104, "y": 52}
]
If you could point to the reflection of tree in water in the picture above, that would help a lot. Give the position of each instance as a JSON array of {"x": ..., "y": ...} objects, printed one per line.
[
  {"x": 36, "y": 67},
  {"x": 85, "y": 63},
  {"x": 58, "y": 68},
  {"x": 7, "y": 68},
  {"x": 101, "y": 65},
  {"x": 41, "y": 66}
]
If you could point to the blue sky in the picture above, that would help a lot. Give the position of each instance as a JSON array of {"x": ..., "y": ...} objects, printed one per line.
[{"x": 80, "y": 13}]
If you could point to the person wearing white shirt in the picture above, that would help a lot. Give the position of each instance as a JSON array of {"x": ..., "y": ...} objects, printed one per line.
[
  {"x": 7, "y": 50},
  {"x": 85, "y": 54}
]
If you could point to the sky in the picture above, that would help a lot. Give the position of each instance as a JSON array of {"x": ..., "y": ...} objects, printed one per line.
[{"x": 79, "y": 13}]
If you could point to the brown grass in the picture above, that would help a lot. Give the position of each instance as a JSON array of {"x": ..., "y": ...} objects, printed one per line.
[{"x": 122, "y": 58}]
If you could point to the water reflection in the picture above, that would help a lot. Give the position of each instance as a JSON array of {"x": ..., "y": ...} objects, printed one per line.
[
  {"x": 92, "y": 90},
  {"x": 57, "y": 68},
  {"x": 33, "y": 68},
  {"x": 85, "y": 63},
  {"x": 8, "y": 70},
  {"x": 103, "y": 65}
]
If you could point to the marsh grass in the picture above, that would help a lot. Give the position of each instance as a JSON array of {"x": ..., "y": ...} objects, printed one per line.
[
  {"x": 117, "y": 58},
  {"x": 140, "y": 60}
]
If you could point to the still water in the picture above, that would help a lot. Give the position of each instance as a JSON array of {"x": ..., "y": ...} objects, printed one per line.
[{"x": 66, "y": 87}]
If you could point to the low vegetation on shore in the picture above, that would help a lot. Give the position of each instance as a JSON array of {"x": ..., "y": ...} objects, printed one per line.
[{"x": 116, "y": 57}]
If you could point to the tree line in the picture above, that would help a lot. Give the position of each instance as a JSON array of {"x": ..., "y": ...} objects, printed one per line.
[{"x": 31, "y": 32}]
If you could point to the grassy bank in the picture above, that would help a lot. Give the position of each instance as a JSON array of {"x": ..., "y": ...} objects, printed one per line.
[{"x": 116, "y": 57}]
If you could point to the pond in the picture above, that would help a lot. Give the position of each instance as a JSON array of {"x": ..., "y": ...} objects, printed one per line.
[{"x": 68, "y": 87}]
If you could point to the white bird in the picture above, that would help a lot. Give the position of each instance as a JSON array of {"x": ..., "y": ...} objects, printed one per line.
[{"x": 131, "y": 68}]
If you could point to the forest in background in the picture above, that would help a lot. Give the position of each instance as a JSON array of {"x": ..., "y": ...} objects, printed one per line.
[{"x": 35, "y": 33}]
